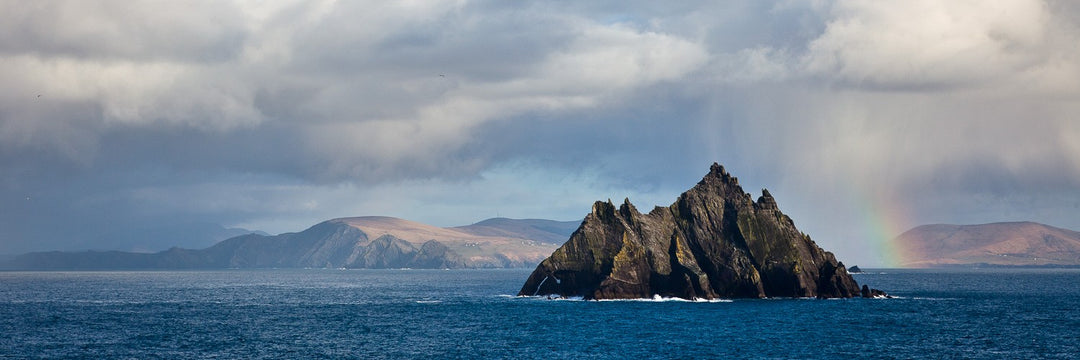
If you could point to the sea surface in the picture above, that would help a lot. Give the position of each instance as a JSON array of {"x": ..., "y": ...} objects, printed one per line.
[{"x": 472, "y": 314}]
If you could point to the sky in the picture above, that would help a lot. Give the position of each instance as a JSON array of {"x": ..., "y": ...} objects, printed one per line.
[{"x": 862, "y": 118}]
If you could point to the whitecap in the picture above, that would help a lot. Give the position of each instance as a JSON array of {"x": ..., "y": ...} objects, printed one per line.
[
  {"x": 658, "y": 298},
  {"x": 564, "y": 298}
]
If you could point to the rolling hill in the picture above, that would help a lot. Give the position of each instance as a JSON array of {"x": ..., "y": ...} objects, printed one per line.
[
  {"x": 356, "y": 242},
  {"x": 1010, "y": 243}
]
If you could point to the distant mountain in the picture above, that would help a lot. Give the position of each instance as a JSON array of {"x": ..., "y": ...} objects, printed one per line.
[
  {"x": 548, "y": 231},
  {"x": 1011, "y": 243},
  {"x": 358, "y": 242}
]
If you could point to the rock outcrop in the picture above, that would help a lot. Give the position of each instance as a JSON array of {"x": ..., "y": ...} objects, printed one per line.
[
  {"x": 715, "y": 241},
  {"x": 867, "y": 292}
]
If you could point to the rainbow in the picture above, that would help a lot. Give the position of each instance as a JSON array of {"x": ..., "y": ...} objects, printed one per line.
[{"x": 883, "y": 219}]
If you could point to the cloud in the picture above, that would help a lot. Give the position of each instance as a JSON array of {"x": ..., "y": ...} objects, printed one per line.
[
  {"x": 290, "y": 112},
  {"x": 195, "y": 31},
  {"x": 983, "y": 87},
  {"x": 598, "y": 62},
  {"x": 920, "y": 44},
  {"x": 372, "y": 90}
]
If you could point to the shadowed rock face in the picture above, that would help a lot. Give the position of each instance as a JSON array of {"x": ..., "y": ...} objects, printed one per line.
[{"x": 715, "y": 241}]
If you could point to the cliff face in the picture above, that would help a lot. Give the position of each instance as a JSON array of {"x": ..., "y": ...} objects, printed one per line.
[{"x": 715, "y": 241}]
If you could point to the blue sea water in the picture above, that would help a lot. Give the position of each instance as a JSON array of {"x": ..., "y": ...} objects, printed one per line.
[{"x": 412, "y": 314}]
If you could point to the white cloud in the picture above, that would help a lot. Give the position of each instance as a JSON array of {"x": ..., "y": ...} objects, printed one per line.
[
  {"x": 129, "y": 92},
  {"x": 195, "y": 31},
  {"x": 614, "y": 58},
  {"x": 930, "y": 44}
]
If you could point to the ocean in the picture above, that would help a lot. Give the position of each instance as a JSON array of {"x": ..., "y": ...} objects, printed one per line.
[{"x": 472, "y": 314}]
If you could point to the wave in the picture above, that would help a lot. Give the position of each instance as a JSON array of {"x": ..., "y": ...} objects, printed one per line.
[
  {"x": 658, "y": 298},
  {"x": 541, "y": 297}
]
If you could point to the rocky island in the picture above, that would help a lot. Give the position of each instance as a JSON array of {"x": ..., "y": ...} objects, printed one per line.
[{"x": 715, "y": 241}]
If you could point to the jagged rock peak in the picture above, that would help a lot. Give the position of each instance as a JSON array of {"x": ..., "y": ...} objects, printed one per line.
[
  {"x": 766, "y": 201},
  {"x": 603, "y": 209},
  {"x": 713, "y": 242},
  {"x": 717, "y": 171},
  {"x": 627, "y": 208}
]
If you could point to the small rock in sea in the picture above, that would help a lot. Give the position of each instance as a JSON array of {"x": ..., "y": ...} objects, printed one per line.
[{"x": 869, "y": 293}]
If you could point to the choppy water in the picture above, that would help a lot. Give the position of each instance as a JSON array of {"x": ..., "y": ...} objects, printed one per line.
[{"x": 470, "y": 314}]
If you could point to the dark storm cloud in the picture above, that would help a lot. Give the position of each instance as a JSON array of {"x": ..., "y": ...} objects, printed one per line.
[{"x": 276, "y": 115}]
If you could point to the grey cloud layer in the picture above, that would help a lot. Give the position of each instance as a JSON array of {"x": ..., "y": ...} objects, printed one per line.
[{"x": 259, "y": 112}]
